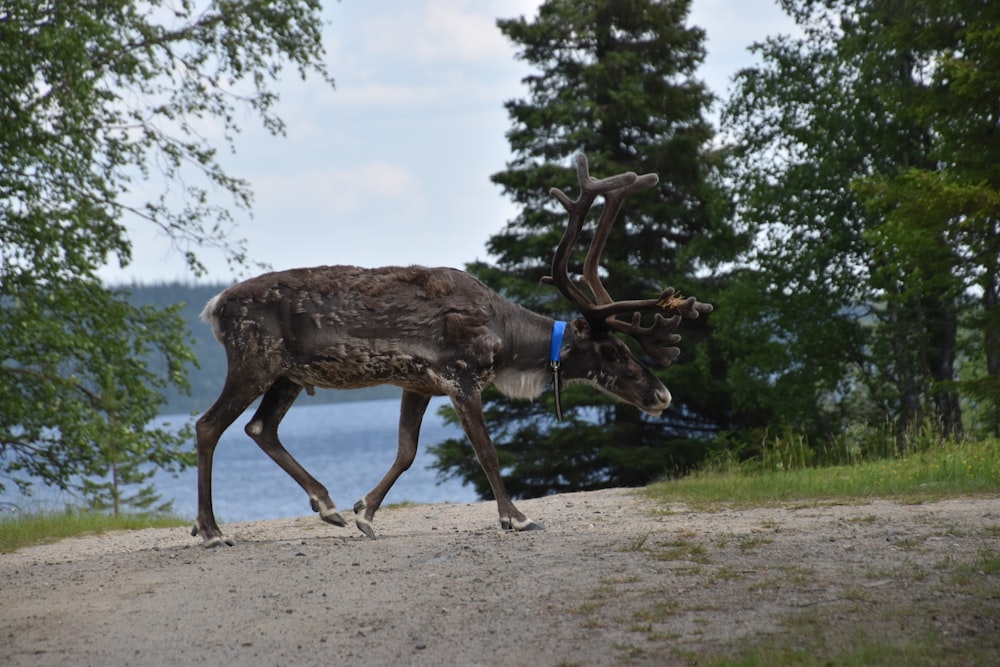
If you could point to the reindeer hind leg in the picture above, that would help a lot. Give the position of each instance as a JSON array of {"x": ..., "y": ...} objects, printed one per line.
[
  {"x": 231, "y": 403},
  {"x": 263, "y": 429}
]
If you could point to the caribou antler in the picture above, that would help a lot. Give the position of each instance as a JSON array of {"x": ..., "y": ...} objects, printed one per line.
[
  {"x": 602, "y": 312},
  {"x": 590, "y": 188}
]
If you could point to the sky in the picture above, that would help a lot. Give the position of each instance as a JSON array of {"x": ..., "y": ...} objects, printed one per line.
[{"x": 393, "y": 165}]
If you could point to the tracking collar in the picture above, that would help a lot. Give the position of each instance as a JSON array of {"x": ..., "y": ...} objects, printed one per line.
[{"x": 558, "y": 332}]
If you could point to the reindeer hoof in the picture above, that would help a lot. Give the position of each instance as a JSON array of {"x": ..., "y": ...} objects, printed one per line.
[
  {"x": 520, "y": 525},
  {"x": 363, "y": 524},
  {"x": 211, "y": 541},
  {"x": 327, "y": 512},
  {"x": 218, "y": 541},
  {"x": 365, "y": 527},
  {"x": 334, "y": 517}
]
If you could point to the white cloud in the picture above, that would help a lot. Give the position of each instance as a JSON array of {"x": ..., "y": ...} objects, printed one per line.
[
  {"x": 440, "y": 32},
  {"x": 451, "y": 33},
  {"x": 338, "y": 190},
  {"x": 375, "y": 94}
]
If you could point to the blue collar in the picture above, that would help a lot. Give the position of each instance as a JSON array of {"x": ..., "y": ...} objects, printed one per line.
[{"x": 558, "y": 331}]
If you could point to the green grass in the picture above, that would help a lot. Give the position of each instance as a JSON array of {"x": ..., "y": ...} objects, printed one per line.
[
  {"x": 942, "y": 470},
  {"x": 44, "y": 527},
  {"x": 861, "y": 651}
]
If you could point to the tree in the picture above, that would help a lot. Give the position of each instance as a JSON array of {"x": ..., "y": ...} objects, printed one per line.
[
  {"x": 802, "y": 127},
  {"x": 614, "y": 80},
  {"x": 101, "y": 102},
  {"x": 862, "y": 299},
  {"x": 943, "y": 219},
  {"x": 87, "y": 384}
]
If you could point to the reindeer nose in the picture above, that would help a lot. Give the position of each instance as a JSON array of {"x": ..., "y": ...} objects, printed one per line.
[{"x": 664, "y": 397}]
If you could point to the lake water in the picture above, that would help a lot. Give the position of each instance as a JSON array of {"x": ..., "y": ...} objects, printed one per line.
[{"x": 348, "y": 447}]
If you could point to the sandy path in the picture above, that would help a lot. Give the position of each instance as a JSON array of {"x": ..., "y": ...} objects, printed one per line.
[{"x": 610, "y": 581}]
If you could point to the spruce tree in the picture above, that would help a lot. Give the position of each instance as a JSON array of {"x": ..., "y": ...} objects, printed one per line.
[{"x": 614, "y": 79}]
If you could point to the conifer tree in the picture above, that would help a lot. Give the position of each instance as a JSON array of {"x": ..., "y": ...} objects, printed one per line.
[{"x": 614, "y": 79}]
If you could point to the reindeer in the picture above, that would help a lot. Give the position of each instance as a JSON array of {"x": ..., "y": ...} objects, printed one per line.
[{"x": 432, "y": 332}]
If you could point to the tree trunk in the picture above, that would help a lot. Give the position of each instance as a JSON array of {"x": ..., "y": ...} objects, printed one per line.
[
  {"x": 905, "y": 376},
  {"x": 991, "y": 343},
  {"x": 942, "y": 325}
]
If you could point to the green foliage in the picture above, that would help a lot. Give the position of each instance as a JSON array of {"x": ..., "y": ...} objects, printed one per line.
[
  {"x": 614, "y": 80},
  {"x": 78, "y": 394},
  {"x": 95, "y": 96},
  {"x": 865, "y": 171},
  {"x": 104, "y": 116},
  {"x": 941, "y": 222}
]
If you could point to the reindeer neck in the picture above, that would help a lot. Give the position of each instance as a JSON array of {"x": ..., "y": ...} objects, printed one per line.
[{"x": 523, "y": 369}]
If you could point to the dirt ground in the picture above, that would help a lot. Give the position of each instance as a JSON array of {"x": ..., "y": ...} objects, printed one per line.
[{"x": 612, "y": 580}]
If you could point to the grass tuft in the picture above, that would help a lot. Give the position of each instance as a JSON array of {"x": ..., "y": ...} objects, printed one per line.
[
  {"x": 26, "y": 530},
  {"x": 941, "y": 470}
]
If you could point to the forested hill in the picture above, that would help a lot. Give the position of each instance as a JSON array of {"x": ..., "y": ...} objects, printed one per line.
[{"x": 206, "y": 382}]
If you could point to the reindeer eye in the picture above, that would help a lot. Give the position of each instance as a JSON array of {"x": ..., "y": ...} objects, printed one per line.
[{"x": 611, "y": 354}]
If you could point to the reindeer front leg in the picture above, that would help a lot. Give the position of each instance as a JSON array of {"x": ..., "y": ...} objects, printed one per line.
[
  {"x": 470, "y": 414},
  {"x": 411, "y": 414}
]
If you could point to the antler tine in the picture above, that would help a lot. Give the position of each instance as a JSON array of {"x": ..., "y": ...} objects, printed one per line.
[
  {"x": 667, "y": 301},
  {"x": 612, "y": 206},
  {"x": 590, "y": 188},
  {"x": 658, "y": 339}
]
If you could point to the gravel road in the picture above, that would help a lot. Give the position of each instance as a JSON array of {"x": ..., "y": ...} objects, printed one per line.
[{"x": 612, "y": 580}]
